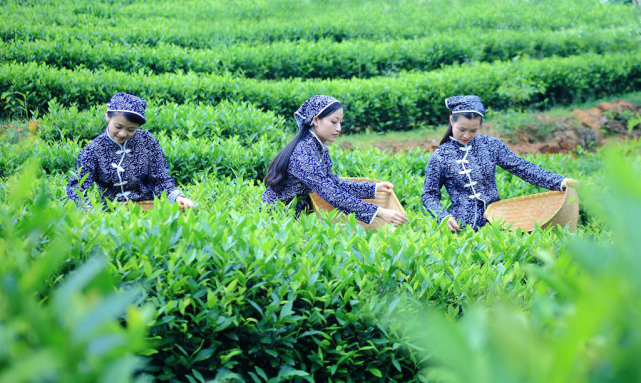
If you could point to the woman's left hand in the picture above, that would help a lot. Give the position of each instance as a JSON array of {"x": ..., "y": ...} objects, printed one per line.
[
  {"x": 384, "y": 187},
  {"x": 569, "y": 182},
  {"x": 184, "y": 202}
]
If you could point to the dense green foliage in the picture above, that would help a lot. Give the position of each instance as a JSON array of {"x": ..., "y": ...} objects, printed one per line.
[
  {"x": 57, "y": 326},
  {"x": 324, "y": 58},
  {"x": 584, "y": 321},
  {"x": 240, "y": 292},
  {"x": 381, "y": 103},
  {"x": 235, "y": 292},
  {"x": 228, "y": 292},
  {"x": 210, "y": 24}
]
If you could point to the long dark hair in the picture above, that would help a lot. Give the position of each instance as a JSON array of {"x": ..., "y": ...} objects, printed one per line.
[
  {"x": 131, "y": 117},
  {"x": 277, "y": 172},
  {"x": 455, "y": 116}
]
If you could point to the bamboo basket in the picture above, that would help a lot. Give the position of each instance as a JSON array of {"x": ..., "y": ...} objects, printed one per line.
[
  {"x": 382, "y": 199},
  {"x": 145, "y": 205},
  {"x": 544, "y": 209}
]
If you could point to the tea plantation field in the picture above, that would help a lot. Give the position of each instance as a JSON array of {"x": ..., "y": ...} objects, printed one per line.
[{"x": 226, "y": 293}]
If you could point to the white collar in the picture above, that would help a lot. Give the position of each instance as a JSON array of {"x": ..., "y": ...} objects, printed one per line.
[
  {"x": 124, "y": 143},
  {"x": 315, "y": 136},
  {"x": 466, "y": 145}
]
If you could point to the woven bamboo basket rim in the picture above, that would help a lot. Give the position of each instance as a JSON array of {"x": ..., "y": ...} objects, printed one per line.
[
  {"x": 551, "y": 214},
  {"x": 526, "y": 197},
  {"x": 363, "y": 179},
  {"x": 145, "y": 204}
]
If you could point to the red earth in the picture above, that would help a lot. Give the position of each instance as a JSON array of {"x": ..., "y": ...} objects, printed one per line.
[{"x": 589, "y": 128}]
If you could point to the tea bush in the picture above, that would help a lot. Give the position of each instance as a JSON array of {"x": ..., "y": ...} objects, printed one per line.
[
  {"x": 210, "y": 25},
  {"x": 63, "y": 316},
  {"x": 229, "y": 292},
  {"x": 225, "y": 119},
  {"x": 583, "y": 324},
  {"x": 323, "y": 58},
  {"x": 242, "y": 294},
  {"x": 379, "y": 103}
]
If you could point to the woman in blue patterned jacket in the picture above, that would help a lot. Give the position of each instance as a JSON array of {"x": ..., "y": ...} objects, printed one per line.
[
  {"x": 304, "y": 166},
  {"x": 465, "y": 163},
  {"x": 125, "y": 162}
]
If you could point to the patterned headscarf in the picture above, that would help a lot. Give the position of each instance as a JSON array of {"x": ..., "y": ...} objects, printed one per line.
[
  {"x": 311, "y": 108},
  {"x": 123, "y": 102},
  {"x": 465, "y": 104}
]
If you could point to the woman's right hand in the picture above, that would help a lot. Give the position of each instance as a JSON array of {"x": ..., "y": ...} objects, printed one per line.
[
  {"x": 569, "y": 182},
  {"x": 184, "y": 202},
  {"x": 392, "y": 216},
  {"x": 453, "y": 225}
]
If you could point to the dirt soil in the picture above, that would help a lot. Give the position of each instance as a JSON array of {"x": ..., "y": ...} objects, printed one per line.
[{"x": 589, "y": 128}]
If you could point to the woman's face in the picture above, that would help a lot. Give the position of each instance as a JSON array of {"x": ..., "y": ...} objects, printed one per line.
[
  {"x": 464, "y": 129},
  {"x": 119, "y": 128},
  {"x": 329, "y": 127}
]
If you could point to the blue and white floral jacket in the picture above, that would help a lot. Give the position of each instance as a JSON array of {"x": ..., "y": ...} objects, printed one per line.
[
  {"x": 136, "y": 170},
  {"x": 467, "y": 171},
  {"x": 310, "y": 170}
]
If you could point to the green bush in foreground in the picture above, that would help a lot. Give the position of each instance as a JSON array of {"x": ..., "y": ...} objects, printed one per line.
[
  {"x": 248, "y": 295},
  {"x": 584, "y": 324},
  {"x": 57, "y": 326}
]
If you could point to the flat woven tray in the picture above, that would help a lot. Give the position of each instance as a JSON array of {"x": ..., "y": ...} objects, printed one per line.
[
  {"x": 383, "y": 199},
  {"x": 544, "y": 209}
]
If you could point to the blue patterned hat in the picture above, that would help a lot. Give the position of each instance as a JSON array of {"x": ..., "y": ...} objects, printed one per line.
[
  {"x": 123, "y": 102},
  {"x": 465, "y": 104},
  {"x": 311, "y": 108}
]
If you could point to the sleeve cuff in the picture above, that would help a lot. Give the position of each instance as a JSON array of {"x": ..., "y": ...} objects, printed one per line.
[
  {"x": 374, "y": 216},
  {"x": 175, "y": 194}
]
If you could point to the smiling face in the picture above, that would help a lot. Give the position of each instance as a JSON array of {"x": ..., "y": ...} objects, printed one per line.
[
  {"x": 329, "y": 127},
  {"x": 465, "y": 129},
  {"x": 119, "y": 128}
]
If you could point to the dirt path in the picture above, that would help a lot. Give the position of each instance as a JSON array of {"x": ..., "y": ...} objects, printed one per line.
[{"x": 589, "y": 128}]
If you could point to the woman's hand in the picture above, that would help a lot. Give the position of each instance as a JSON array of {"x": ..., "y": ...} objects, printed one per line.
[
  {"x": 391, "y": 216},
  {"x": 384, "y": 186},
  {"x": 453, "y": 225},
  {"x": 569, "y": 182},
  {"x": 184, "y": 202}
]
